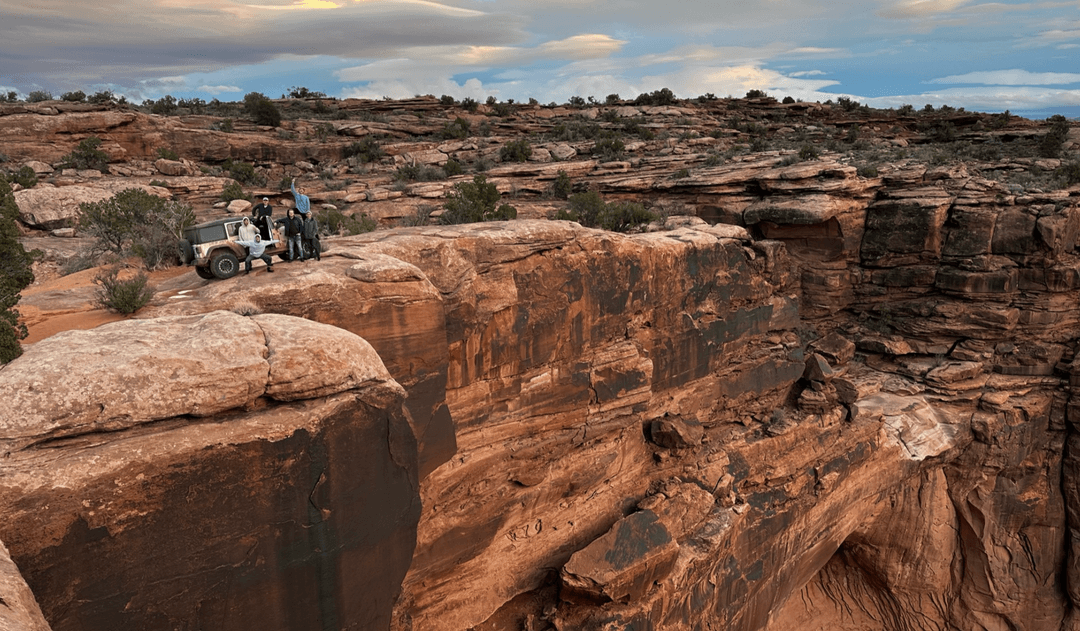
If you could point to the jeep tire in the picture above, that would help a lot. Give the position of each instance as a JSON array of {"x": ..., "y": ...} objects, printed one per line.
[
  {"x": 224, "y": 264},
  {"x": 187, "y": 253},
  {"x": 204, "y": 272}
]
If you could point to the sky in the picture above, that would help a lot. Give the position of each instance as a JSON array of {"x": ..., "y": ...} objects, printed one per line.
[{"x": 983, "y": 56}]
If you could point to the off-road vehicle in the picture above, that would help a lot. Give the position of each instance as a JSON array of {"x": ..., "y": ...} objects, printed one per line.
[{"x": 212, "y": 248}]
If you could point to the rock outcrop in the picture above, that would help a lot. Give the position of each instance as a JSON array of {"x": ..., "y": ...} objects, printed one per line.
[
  {"x": 211, "y": 471},
  {"x": 846, "y": 405}
]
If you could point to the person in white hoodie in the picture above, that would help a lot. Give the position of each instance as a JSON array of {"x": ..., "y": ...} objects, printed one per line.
[
  {"x": 257, "y": 250},
  {"x": 247, "y": 231}
]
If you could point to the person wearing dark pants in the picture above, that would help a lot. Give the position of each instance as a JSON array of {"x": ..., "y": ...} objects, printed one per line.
[
  {"x": 294, "y": 233},
  {"x": 311, "y": 236},
  {"x": 257, "y": 250}
]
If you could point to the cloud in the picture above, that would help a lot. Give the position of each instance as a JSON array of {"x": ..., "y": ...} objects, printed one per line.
[
  {"x": 1011, "y": 77},
  {"x": 908, "y": 9},
  {"x": 991, "y": 99},
  {"x": 218, "y": 89},
  {"x": 302, "y": 5}
]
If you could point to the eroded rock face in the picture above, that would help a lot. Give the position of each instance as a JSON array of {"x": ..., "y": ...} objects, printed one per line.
[{"x": 275, "y": 486}]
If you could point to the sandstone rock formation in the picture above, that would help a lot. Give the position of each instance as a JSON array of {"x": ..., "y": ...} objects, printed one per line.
[
  {"x": 846, "y": 405},
  {"x": 215, "y": 471}
]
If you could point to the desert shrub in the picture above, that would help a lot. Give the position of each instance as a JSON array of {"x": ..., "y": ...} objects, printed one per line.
[
  {"x": 788, "y": 100},
  {"x": 562, "y": 187},
  {"x": 789, "y": 160},
  {"x": 575, "y": 130},
  {"x": 9, "y": 97},
  {"x": 24, "y": 177},
  {"x": 365, "y": 150},
  {"x": 82, "y": 260},
  {"x": 576, "y": 101},
  {"x": 484, "y": 130},
  {"x": 867, "y": 170},
  {"x": 808, "y": 152},
  {"x": 515, "y": 151},
  {"x": 663, "y": 96},
  {"x": 1050, "y": 144},
  {"x": 261, "y": 109},
  {"x": 906, "y": 110},
  {"x": 246, "y": 308},
  {"x": 86, "y": 156},
  {"x": 78, "y": 96},
  {"x": 167, "y": 154},
  {"x": 714, "y": 159},
  {"x": 225, "y": 125},
  {"x": 453, "y": 167},
  {"x": 447, "y": 100},
  {"x": 608, "y": 149},
  {"x": 102, "y": 97},
  {"x": 160, "y": 183},
  {"x": 503, "y": 109},
  {"x": 1069, "y": 173},
  {"x": 469, "y": 104},
  {"x": 38, "y": 96},
  {"x": 457, "y": 130},
  {"x": 304, "y": 93},
  {"x": 165, "y": 105},
  {"x": 124, "y": 296},
  {"x": 323, "y": 131},
  {"x": 134, "y": 221},
  {"x": 193, "y": 105},
  {"x": 233, "y": 190},
  {"x": 681, "y": 174},
  {"x": 481, "y": 165},
  {"x": 243, "y": 172},
  {"x": 419, "y": 173},
  {"x": 756, "y": 94},
  {"x": 938, "y": 130},
  {"x": 15, "y": 274},
  {"x": 472, "y": 202},
  {"x": 612, "y": 99},
  {"x": 421, "y": 217},
  {"x": 334, "y": 221},
  {"x": 589, "y": 209}
]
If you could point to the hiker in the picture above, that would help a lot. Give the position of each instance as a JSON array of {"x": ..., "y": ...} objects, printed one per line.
[
  {"x": 247, "y": 231},
  {"x": 303, "y": 202},
  {"x": 294, "y": 231},
  {"x": 261, "y": 215},
  {"x": 257, "y": 250},
  {"x": 311, "y": 237}
]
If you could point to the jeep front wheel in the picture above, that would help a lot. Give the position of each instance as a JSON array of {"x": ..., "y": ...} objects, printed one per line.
[{"x": 224, "y": 265}]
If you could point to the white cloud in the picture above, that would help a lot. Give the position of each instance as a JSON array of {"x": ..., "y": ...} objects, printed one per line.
[
  {"x": 986, "y": 98},
  {"x": 908, "y": 9},
  {"x": 218, "y": 89},
  {"x": 806, "y": 73},
  {"x": 1011, "y": 77}
]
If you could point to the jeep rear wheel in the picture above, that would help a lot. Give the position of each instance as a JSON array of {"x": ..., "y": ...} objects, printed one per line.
[
  {"x": 187, "y": 253},
  {"x": 224, "y": 265},
  {"x": 204, "y": 272}
]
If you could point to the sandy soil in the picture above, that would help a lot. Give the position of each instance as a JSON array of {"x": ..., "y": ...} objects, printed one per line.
[{"x": 67, "y": 303}]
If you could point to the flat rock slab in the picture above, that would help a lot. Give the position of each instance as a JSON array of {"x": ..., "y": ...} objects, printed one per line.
[{"x": 624, "y": 563}]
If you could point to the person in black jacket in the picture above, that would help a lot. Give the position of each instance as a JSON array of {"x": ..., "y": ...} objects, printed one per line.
[
  {"x": 294, "y": 231},
  {"x": 261, "y": 217},
  {"x": 311, "y": 237}
]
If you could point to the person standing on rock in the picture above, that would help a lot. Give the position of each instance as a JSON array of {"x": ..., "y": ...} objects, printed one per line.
[
  {"x": 261, "y": 215},
  {"x": 294, "y": 231},
  {"x": 303, "y": 202},
  {"x": 311, "y": 237},
  {"x": 257, "y": 250}
]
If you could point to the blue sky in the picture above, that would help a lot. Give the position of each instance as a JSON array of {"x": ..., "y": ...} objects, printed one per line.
[{"x": 987, "y": 56}]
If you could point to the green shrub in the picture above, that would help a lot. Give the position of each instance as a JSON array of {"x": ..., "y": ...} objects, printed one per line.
[
  {"x": 366, "y": 150},
  {"x": 457, "y": 130},
  {"x": 9, "y": 97},
  {"x": 86, "y": 156},
  {"x": 102, "y": 97},
  {"x": 304, "y": 93},
  {"x": 233, "y": 190},
  {"x": 808, "y": 152},
  {"x": 38, "y": 96},
  {"x": 681, "y": 174},
  {"x": 446, "y": 100},
  {"x": 262, "y": 110},
  {"x": 663, "y": 96},
  {"x": 516, "y": 151},
  {"x": 453, "y": 167},
  {"x": 419, "y": 173},
  {"x": 334, "y": 221},
  {"x": 78, "y": 96},
  {"x": 1050, "y": 144},
  {"x": 167, "y": 154},
  {"x": 469, "y": 104},
  {"x": 243, "y": 172},
  {"x": 165, "y": 105},
  {"x": 608, "y": 149},
  {"x": 788, "y": 100},
  {"x": 868, "y": 171},
  {"x": 1069, "y": 173},
  {"x": 226, "y": 125},
  {"x": 15, "y": 274},
  {"x": 714, "y": 159},
  {"x": 24, "y": 177},
  {"x": 589, "y": 210},
  {"x": 159, "y": 183},
  {"x": 562, "y": 186},
  {"x": 472, "y": 202},
  {"x": 123, "y": 296},
  {"x": 134, "y": 221}
]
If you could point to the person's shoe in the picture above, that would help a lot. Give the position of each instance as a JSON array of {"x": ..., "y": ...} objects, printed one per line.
[
  {"x": 247, "y": 271},
  {"x": 270, "y": 268}
]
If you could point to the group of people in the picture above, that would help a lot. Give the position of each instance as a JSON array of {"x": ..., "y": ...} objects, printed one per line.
[{"x": 300, "y": 229}]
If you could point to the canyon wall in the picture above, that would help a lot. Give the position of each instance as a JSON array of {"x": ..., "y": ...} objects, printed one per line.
[{"x": 848, "y": 406}]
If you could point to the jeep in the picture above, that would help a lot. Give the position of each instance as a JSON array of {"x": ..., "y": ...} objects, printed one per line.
[{"x": 211, "y": 247}]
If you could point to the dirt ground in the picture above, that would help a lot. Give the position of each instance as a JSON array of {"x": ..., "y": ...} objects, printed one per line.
[{"x": 67, "y": 303}]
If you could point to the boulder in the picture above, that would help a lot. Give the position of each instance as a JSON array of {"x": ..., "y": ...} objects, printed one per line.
[
  {"x": 51, "y": 208},
  {"x": 675, "y": 432},
  {"x": 171, "y": 167},
  {"x": 623, "y": 564},
  {"x": 239, "y": 206}
]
